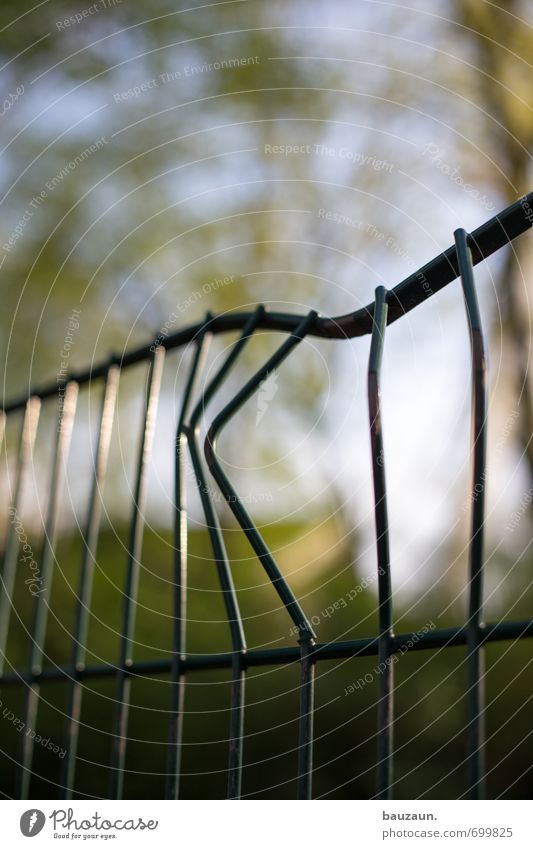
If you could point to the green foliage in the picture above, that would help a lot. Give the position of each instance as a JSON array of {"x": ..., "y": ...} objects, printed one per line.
[{"x": 429, "y": 697}]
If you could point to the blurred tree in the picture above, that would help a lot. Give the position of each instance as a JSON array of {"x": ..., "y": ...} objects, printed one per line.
[
  {"x": 225, "y": 137},
  {"x": 500, "y": 39}
]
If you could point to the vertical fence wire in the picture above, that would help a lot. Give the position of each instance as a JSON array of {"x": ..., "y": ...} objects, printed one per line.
[
  {"x": 88, "y": 560},
  {"x": 179, "y": 633},
  {"x": 305, "y": 726},
  {"x": 307, "y": 635},
  {"x": 476, "y": 684},
  {"x": 385, "y": 674},
  {"x": 118, "y": 756},
  {"x": 67, "y": 409},
  {"x": 26, "y": 442}
]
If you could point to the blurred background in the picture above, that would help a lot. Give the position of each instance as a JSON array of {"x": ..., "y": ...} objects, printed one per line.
[{"x": 161, "y": 162}]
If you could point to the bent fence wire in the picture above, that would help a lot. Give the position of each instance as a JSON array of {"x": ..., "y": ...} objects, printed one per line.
[{"x": 389, "y": 305}]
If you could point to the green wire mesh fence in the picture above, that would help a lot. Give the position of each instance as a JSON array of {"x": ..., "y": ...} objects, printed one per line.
[{"x": 389, "y": 305}]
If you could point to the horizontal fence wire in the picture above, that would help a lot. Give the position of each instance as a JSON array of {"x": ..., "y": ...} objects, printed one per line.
[
  {"x": 474, "y": 635},
  {"x": 414, "y": 290}
]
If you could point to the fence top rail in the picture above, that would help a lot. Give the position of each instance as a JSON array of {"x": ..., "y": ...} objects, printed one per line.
[{"x": 412, "y": 291}]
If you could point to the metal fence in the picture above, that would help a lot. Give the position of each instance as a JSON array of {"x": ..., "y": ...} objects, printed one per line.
[{"x": 389, "y": 305}]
